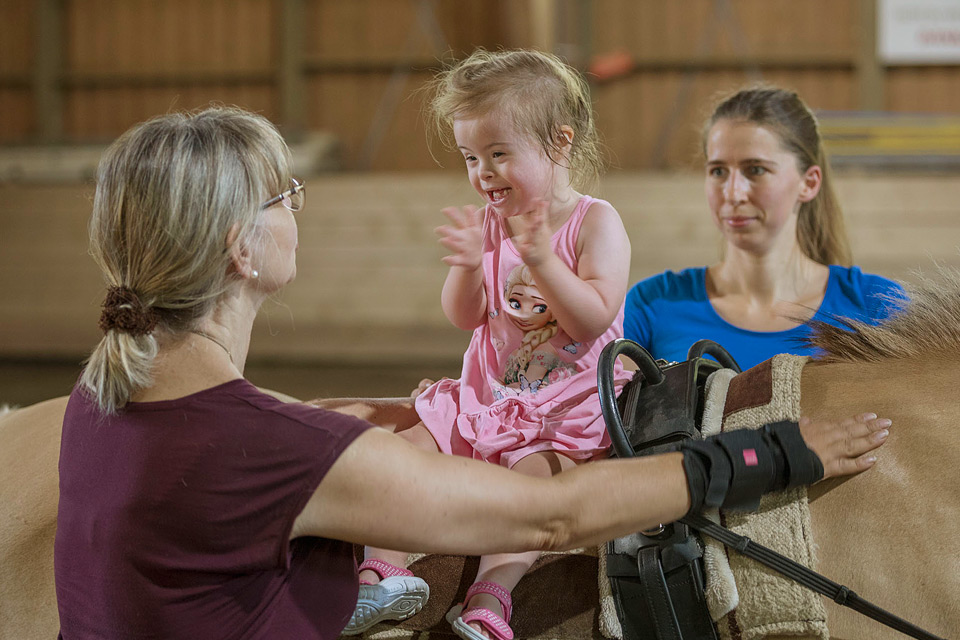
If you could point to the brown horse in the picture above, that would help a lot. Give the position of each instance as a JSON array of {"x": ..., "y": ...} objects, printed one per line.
[{"x": 892, "y": 534}]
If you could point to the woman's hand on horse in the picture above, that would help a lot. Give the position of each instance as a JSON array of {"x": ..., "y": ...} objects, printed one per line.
[{"x": 848, "y": 446}]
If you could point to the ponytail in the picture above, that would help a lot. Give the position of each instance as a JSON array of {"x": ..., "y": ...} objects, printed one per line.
[{"x": 120, "y": 365}]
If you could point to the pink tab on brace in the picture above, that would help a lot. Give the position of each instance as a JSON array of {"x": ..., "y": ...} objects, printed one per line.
[{"x": 750, "y": 457}]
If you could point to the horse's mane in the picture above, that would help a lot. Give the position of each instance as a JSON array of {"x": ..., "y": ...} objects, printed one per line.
[{"x": 926, "y": 324}]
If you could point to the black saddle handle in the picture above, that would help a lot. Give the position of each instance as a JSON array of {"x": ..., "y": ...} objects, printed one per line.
[
  {"x": 608, "y": 393},
  {"x": 704, "y": 347}
]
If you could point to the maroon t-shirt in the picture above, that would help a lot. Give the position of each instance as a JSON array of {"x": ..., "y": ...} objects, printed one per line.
[{"x": 175, "y": 518}]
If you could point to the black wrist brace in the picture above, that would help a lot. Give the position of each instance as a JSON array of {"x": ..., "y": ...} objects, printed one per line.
[{"x": 734, "y": 469}]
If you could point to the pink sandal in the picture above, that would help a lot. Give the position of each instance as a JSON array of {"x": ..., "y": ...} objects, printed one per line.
[
  {"x": 382, "y": 569},
  {"x": 496, "y": 626},
  {"x": 397, "y": 596}
]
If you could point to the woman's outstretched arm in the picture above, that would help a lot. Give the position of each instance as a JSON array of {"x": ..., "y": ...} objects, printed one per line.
[{"x": 383, "y": 492}]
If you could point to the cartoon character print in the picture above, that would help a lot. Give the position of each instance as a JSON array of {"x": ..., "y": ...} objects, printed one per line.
[{"x": 536, "y": 363}]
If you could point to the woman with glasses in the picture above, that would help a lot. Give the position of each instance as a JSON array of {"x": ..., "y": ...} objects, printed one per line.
[{"x": 192, "y": 505}]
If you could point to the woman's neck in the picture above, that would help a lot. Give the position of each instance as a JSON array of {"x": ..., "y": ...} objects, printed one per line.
[
  {"x": 767, "y": 278},
  {"x": 213, "y": 353}
]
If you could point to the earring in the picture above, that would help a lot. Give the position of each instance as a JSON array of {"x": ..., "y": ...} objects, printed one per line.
[{"x": 255, "y": 273}]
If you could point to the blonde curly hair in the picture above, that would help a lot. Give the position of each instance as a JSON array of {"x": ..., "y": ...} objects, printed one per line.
[{"x": 538, "y": 91}]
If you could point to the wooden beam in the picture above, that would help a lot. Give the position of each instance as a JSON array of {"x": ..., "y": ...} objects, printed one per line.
[
  {"x": 290, "y": 69},
  {"x": 583, "y": 17},
  {"x": 870, "y": 72},
  {"x": 543, "y": 24},
  {"x": 47, "y": 67},
  {"x": 15, "y": 80},
  {"x": 126, "y": 79},
  {"x": 385, "y": 63},
  {"x": 724, "y": 62}
]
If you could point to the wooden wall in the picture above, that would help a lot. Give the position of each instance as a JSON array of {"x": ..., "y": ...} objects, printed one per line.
[
  {"x": 686, "y": 53},
  {"x": 369, "y": 270},
  {"x": 17, "y": 22},
  {"x": 85, "y": 70}
]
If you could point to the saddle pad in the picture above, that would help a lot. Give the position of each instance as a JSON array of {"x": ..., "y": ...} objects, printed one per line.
[
  {"x": 770, "y": 604},
  {"x": 720, "y": 589}
]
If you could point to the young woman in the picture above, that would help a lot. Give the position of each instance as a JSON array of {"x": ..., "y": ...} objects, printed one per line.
[{"x": 786, "y": 257}]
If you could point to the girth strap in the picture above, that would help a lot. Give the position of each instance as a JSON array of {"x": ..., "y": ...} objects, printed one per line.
[
  {"x": 659, "y": 591},
  {"x": 653, "y": 586}
]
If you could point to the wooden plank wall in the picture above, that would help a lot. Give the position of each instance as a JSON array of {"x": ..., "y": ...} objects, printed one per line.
[
  {"x": 369, "y": 270},
  {"x": 16, "y": 64},
  {"x": 686, "y": 53},
  {"x": 110, "y": 63},
  {"x": 126, "y": 60}
]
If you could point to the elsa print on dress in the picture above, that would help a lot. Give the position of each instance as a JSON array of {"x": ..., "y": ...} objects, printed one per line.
[{"x": 535, "y": 363}]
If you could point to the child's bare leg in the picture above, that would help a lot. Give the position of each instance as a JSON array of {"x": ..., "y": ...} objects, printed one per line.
[
  {"x": 506, "y": 569},
  {"x": 420, "y": 438}
]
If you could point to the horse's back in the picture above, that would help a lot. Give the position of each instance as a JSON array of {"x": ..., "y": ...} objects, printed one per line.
[
  {"x": 891, "y": 534},
  {"x": 29, "y": 491}
]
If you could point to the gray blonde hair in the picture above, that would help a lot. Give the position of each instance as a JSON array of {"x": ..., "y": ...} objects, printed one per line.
[
  {"x": 821, "y": 231},
  {"x": 168, "y": 192},
  {"x": 539, "y": 93}
]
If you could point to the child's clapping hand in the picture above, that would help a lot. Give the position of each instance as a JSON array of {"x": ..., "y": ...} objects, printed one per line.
[
  {"x": 463, "y": 237},
  {"x": 533, "y": 241}
]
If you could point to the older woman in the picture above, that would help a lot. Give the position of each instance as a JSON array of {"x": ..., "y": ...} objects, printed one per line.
[
  {"x": 786, "y": 257},
  {"x": 194, "y": 506}
]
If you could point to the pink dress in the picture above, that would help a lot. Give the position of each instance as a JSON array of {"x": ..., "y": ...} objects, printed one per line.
[{"x": 513, "y": 400}]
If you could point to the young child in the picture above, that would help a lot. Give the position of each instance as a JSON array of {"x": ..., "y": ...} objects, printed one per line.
[{"x": 524, "y": 124}]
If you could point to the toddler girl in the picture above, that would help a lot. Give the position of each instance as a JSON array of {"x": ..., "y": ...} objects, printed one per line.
[{"x": 524, "y": 124}]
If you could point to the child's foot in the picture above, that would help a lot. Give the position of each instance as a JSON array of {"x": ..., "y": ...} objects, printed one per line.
[
  {"x": 397, "y": 595},
  {"x": 484, "y": 614}
]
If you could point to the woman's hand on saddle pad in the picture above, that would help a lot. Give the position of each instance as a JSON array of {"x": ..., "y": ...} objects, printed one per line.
[{"x": 845, "y": 447}]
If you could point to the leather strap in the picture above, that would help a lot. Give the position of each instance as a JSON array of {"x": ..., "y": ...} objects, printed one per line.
[{"x": 655, "y": 593}]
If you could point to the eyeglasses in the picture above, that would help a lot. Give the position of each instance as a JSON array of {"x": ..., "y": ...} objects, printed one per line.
[{"x": 292, "y": 198}]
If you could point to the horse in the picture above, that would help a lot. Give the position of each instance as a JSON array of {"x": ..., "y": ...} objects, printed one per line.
[
  {"x": 29, "y": 451},
  {"x": 892, "y": 534}
]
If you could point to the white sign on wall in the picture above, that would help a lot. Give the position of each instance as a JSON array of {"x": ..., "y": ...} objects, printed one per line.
[{"x": 918, "y": 31}]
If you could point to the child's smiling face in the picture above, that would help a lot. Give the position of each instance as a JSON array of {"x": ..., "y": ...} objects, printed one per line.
[{"x": 508, "y": 169}]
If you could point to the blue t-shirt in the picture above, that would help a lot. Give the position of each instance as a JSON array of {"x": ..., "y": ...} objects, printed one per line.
[{"x": 667, "y": 313}]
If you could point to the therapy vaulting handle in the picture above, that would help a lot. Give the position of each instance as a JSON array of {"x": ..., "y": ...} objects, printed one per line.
[
  {"x": 704, "y": 347},
  {"x": 608, "y": 394}
]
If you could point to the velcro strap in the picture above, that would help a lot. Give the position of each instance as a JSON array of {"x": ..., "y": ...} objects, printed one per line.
[
  {"x": 497, "y": 591},
  {"x": 752, "y": 468},
  {"x": 496, "y": 626},
  {"x": 383, "y": 569},
  {"x": 734, "y": 469},
  {"x": 802, "y": 465}
]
